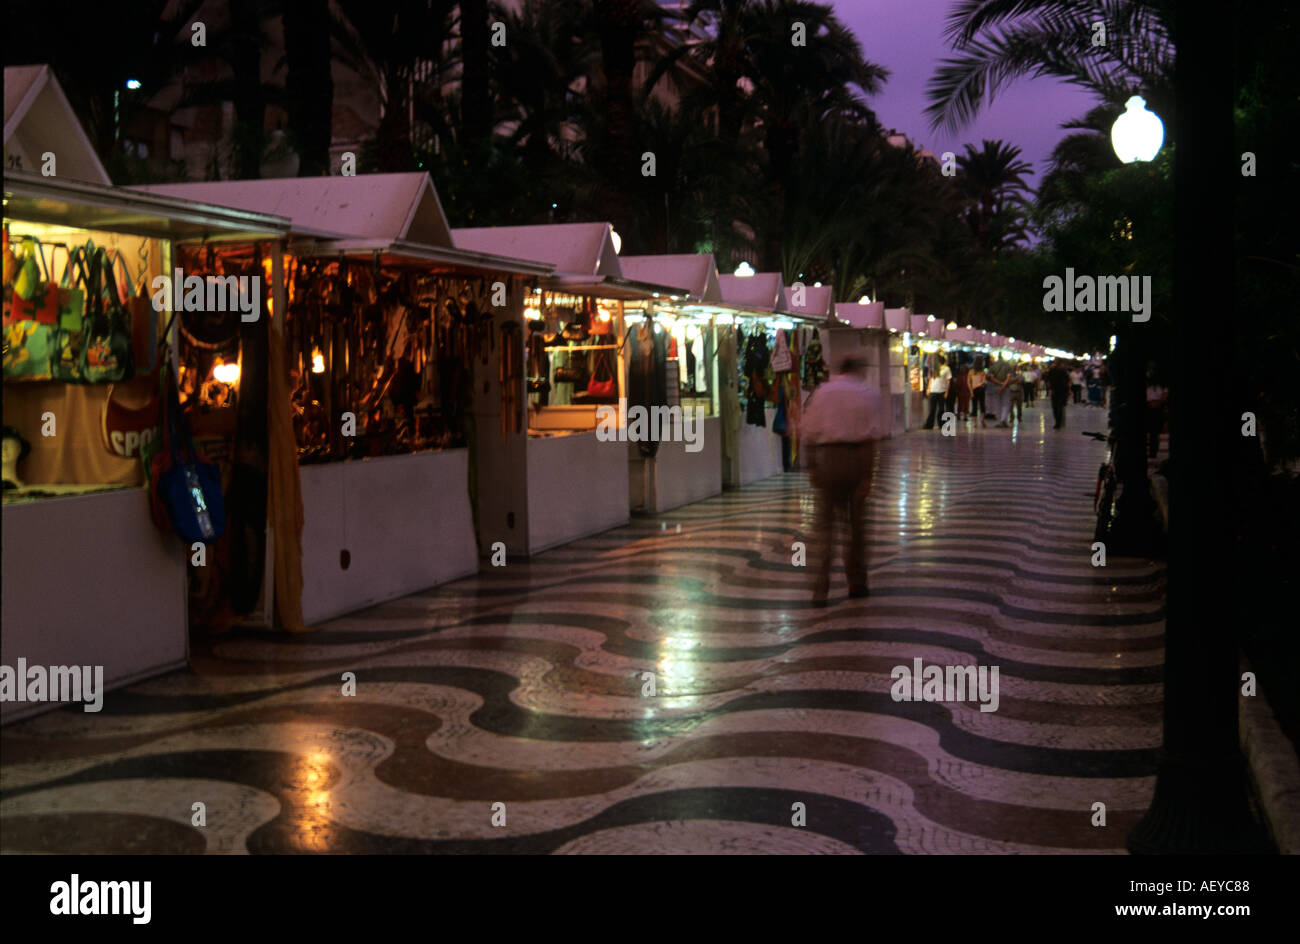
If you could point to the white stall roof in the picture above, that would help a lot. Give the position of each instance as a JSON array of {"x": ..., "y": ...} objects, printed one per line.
[
  {"x": 758, "y": 292},
  {"x": 818, "y": 301},
  {"x": 574, "y": 249},
  {"x": 858, "y": 315},
  {"x": 391, "y": 207},
  {"x": 39, "y": 120},
  {"x": 64, "y": 202},
  {"x": 696, "y": 272}
]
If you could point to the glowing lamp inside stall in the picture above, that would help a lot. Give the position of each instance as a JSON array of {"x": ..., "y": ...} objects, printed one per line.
[
  {"x": 1138, "y": 133},
  {"x": 229, "y": 373},
  {"x": 317, "y": 361}
]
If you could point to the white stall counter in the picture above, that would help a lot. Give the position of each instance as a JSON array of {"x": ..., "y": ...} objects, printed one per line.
[
  {"x": 89, "y": 580},
  {"x": 760, "y": 450},
  {"x": 577, "y": 487},
  {"x": 676, "y": 477},
  {"x": 404, "y": 521}
]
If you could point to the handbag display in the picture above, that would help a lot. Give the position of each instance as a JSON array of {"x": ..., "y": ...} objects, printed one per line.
[
  {"x": 185, "y": 489},
  {"x": 127, "y": 431},
  {"x": 31, "y": 316},
  {"x": 106, "y": 348},
  {"x": 602, "y": 386},
  {"x": 570, "y": 375}
]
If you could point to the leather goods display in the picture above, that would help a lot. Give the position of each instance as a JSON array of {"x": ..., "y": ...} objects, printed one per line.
[
  {"x": 570, "y": 375},
  {"x": 602, "y": 381}
]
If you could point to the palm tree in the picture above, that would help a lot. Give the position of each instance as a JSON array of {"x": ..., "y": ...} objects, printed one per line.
[
  {"x": 999, "y": 41},
  {"x": 991, "y": 178}
]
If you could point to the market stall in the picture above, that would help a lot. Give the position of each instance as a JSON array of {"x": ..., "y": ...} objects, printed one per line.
[
  {"x": 80, "y": 394},
  {"x": 566, "y": 476},
  {"x": 688, "y": 468},
  {"x": 754, "y": 299},
  {"x": 386, "y": 341},
  {"x": 861, "y": 330}
]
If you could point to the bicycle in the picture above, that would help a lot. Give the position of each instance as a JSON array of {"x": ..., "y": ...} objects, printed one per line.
[{"x": 1105, "y": 494}]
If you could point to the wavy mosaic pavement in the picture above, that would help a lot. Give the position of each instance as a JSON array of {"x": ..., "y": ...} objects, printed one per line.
[{"x": 508, "y": 713}]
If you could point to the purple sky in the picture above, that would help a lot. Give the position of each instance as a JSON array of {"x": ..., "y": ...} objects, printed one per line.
[{"x": 906, "y": 37}]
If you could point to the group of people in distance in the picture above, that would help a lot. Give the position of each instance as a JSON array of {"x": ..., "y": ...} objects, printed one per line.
[{"x": 1003, "y": 389}]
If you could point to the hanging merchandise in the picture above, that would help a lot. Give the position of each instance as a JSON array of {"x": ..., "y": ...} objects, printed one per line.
[
  {"x": 756, "y": 368},
  {"x": 814, "y": 364},
  {"x": 124, "y": 430},
  {"x": 647, "y": 372},
  {"x": 602, "y": 381},
  {"x": 185, "y": 489},
  {"x": 781, "y": 359},
  {"x": 31, "y": 312},
  {"x": 700, "y": 369},
  {"x": 510, "y": 371},
  {"x": 106, "y": 345}
]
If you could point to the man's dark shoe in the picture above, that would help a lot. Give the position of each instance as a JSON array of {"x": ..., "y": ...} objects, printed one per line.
[{"x": 858, "y": 592}]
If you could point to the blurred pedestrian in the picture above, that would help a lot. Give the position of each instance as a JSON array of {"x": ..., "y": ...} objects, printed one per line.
[
  {"x": 1001, "y": 376},
  {"x": 1058, "y": 387},
  {"x": 977, "y": 381},
  {"x": 841, "y": 424},
  {"x": 938, "y": 391},
  {"x": 1076, "y": 383}
]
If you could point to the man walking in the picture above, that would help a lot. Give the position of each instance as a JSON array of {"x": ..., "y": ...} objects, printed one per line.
[
  {"x": 1058, "y": 384},
  {"x": 1000, "y": 376},
  {"x": 841, "y": 425}
]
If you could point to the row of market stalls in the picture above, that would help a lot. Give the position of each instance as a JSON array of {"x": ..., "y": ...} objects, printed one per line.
[
  {"x": 901, "y": 347},
  {"x": 391, "y": 403},
  {"x": 388, "y": 402}
]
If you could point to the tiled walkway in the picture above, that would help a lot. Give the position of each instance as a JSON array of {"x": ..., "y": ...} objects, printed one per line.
[{"x": 523, "y": 687}]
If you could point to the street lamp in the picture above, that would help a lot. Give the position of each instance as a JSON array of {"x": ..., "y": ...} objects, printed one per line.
[{"x": 1137, "y": 134}]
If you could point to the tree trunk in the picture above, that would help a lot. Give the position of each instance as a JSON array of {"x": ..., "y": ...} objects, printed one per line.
[
  {"x": 476, "y": 115},
  {"x": 250, "y": 104},
  {"x": 309, "y": 84}
]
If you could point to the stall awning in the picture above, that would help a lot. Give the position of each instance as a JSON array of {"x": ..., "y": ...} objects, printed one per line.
[
  {"x": 612, "y": 287},
  {"x": 401, "y": 252},
  {"x": 583, "y": 249},
  {"x": 697, "y": 272},
  {"x": 370, "y": 206},
  {"x": 759, "y": 293},
  {"x": 818, "y": 301},
  {"x": 63, "y": 202},
  {"x": 857, "y": 315}
]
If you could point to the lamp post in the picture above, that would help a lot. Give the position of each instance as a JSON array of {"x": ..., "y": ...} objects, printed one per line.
[{"x": 1136, "y": 136}]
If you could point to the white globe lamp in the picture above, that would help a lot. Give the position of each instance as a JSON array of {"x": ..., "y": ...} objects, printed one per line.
[{"x": 1137, "y": 134}]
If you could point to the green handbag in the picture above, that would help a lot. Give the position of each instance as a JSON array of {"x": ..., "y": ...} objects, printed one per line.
[
  {"x": 69, "y": 338},
  {"x": 106, "y": 348}
]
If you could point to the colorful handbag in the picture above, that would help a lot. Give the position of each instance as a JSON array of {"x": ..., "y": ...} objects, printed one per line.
[
  {"x": 106, "y": 349},
  {"x": 31, "y": 314},
  {"x": 33, "y": 296},
  {"x": 127, "y": 431},
  {"x": 69, "y": 338},
  {"x": 598, "y": 387}
]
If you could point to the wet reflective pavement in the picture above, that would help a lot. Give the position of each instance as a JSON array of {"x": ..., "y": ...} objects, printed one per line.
[{"x": 510, "y": 712}]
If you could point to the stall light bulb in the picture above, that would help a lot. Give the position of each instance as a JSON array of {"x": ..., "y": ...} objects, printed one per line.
[
  {"x": 227, "y": 373},
  {"x": 603, "y": 313},
  {"x": 317, "y": 361}
]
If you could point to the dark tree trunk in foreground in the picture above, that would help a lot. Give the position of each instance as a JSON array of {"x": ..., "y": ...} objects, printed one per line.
[{"x": 1200, "y": 803}]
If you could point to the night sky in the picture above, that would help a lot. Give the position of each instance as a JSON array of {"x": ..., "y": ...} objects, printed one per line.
[{"x": 907, "y": 38}]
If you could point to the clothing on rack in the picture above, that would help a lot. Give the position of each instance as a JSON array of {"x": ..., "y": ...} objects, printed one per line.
[{"x": 647, "y": 378}]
